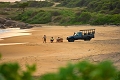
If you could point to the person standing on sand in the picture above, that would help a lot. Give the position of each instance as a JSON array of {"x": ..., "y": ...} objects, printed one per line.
[{"x": 44, "y": 39}]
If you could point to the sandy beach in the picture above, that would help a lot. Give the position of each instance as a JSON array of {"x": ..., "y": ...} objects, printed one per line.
[{"x": 30, "y": 49}]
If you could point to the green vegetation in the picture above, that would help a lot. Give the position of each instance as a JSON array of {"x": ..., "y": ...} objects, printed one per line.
[
  {"x": 12, "y": 71},
  {"x": 36, "y": 4},
  {"x": 38, "y": 17},
  {"x": 92, "y": 5},
  {"x": 68, "y": 12},
  {"x": 39, "y": 4},
  {"x": 85, "y": 71},
  {"x": 4, "y": 4},
  {"x": 67, "y": 17},
  {"x": 23, "y": 6}
]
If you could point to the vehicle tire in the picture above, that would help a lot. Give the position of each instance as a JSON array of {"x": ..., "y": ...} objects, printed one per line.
[
  {"x": 87, "y": 39},
  {"x": 71, "y": 40}
]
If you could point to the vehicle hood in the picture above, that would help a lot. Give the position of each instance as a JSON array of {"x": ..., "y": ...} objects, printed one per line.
[{"x": 70, "y": 37}]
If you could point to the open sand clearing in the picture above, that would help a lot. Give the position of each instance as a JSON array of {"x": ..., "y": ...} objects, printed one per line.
[{"x": 50, "y": 56}]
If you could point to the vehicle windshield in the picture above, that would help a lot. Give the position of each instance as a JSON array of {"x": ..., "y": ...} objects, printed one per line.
[{"x": 77, "y": 33}]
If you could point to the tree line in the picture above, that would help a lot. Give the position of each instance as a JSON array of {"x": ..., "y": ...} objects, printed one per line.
[
  {"x": 103, "y": 6},
  {"x": 29, "y": 4}
]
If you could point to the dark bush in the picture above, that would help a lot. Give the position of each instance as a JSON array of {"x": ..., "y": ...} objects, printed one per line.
[
  {"x": 12, "y": 71},
  {"x": 55, "y": 13},
  {"x": 85, "y": 71},
  {"x": 40, "y": 18}
]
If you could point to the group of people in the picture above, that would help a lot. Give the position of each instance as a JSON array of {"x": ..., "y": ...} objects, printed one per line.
[{"x": 52, "y": 39}]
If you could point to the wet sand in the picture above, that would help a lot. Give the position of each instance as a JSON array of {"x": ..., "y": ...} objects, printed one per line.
[{"x": 50, "y": 56}]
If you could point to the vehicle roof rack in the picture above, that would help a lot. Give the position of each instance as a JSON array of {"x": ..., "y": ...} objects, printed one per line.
[{"x": 88, "y": 30}]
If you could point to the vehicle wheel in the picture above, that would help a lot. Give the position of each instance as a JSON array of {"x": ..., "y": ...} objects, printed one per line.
[
  {"x": 87, "y": 39},
  {"x": 71, "y": 40}
]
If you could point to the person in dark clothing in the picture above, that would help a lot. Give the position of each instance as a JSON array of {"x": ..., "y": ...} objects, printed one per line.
[{"x": 44, "y": 39}]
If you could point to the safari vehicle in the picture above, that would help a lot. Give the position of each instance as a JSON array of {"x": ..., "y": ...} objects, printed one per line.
[{"x": 85, "y": 35}]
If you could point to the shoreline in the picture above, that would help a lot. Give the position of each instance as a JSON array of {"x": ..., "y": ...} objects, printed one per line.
[
  {"x": 12, "y": 32},
  {"x": 7, "y": 44}
]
